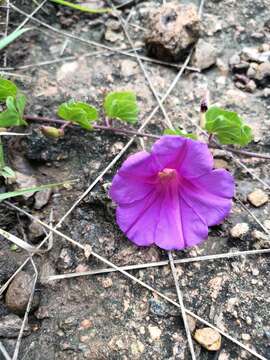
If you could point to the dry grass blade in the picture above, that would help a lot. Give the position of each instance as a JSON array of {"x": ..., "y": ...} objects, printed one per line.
[
  {"x": 4, "y": 352},
  {"x": 181, "y": 303},
  {"x": 162, "y": 263},
  {"x": 82, "y": 8},
  {"x": 25, "y": 318},
  {"x": 17, "y": 241},
  {"x": 138, "y": 281}
]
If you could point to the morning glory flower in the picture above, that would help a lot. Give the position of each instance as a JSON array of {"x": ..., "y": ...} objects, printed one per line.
[{"x": 170, "y": 196}]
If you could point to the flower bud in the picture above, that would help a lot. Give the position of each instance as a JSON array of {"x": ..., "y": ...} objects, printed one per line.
[{"x": 51, "y": 131}]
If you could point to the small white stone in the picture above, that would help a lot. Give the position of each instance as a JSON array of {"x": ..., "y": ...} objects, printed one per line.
[
  {"x": 266, "y": 223},
  {"x": 154, "y": 332},
  {"x": 258, "y": 198},
  {"x": 255, "y": 272},
  {"x": 246, "y": 337},
  {"x": 239, "y": 230}
]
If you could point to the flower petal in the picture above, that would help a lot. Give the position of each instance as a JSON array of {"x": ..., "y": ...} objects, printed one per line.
[
  {"x": 127, "y": 191},
  {"x": 190, "y": 157},
  {"x": 210, "y": 196},
  {"x": 134, "y": 181},
  {"x": 179, "y": 226},
  {"x": 139, "y": 166},
  {"x": 139, "y": 219}
]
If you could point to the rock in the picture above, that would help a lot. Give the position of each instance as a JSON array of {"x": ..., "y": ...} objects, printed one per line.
[
  {"x": 221, "y": 164},
  {"x": 129, "y": 68},
  {"x": 42, "y": 198},
  {"x": 266, "y": 224},
  {"x": 154, "y": 332},
  {"x": 35, "y": 232},
  {"x": 266, "y": 92},
  {"x": 262, "y": 75},
  {"x": 252, "y": 70},
  {"x": 211, "y": 24},
  {"x": 173, "y": 29},
  {"x": 239, "y": 230},
  {"x": 205, "y": 55},
  {"x": 251, "y": 86},
  {"x": 66, "y": 70},
  {"x": 113, "y": 31},
  {"x": 262, "y": 239},
  {"x": 245, "y": 337},
  {"x": 253, "y": 55},
  {"x": 208, "y": 338},
  {"x": 85, "y": 324},
  {"x": 18, "y": 293},
  {"x": 215, "y": 285},
  {"x": 234, "y": 60},
  {"x": 107, "y": 282},
  {"x": 137, "y": 348},
  {"x": 65, "y": 260},
  {"x": 258, "y": 198},
  {"x": 24, "y": 181},
  {"x": 10, "y": 326}
]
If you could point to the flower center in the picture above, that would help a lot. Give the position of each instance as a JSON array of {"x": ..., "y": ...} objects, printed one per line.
[{"x": 167, "y": 175}]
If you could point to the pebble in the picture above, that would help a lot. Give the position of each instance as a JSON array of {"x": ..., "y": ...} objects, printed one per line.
[
  {"x": 173, "y": 29},
  {"x": 251, "y": 86},
  {"x": 266, "y": 92},
  {"x": 65, "y": 259},
  {"x": 205, "y": 55},
  {"x": 35, "y": 232},
  {"x": 10, "y": 326},
  {"x": 258, "y": 198},
  {"x": 266, "y": 224},
  {"x": 18, "y": 293},
  {"x": 85, "y": 324},
  {"x": 239, "y": 230},
  {"x": 42, "y": 198},
  {"x": 245, "y": 337},
  {"x": 221, "y": 164},
  {"x": 262, "y": 238},
  {"x": 263, "y": 74},
  {"x": 129, "y": 68},
  {"x": 208, "y": 338},
  {"x": 66, "y": 70},
  {"x": 107, "y": 282},
  {"x": 154, "y": 332},
  {"x": 24, "y": 181},
  {"x": 234, "y": 60},
  {"x": 137, "y": 348}
]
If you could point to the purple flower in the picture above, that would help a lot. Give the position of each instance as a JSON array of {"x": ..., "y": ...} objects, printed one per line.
[{"x": 170, "y": 196}]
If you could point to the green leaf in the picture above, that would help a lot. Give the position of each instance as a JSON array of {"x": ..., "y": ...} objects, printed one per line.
[
  {"x": 20, "y": 103},
  {"x": 11, "y": 194},
  {"x": 180, "y": 133},
  {"x": 14, "y": 247},
  {"x": 7, "y": 88},
  {"x": 13, "y": 115},
  {"x": 11, "y": 37},
  {"x": 122, "y": 105},
  {"x": 79, "y": 113},
  {"x": 82, "y": 8},
  {"x": 228, "y": 127}
]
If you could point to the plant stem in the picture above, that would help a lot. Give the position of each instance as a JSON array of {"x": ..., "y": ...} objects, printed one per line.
[
  {"x": 96, "y": 127},
  {"x": 213, "y": 144},
  {"x": 2, "y": 159}
]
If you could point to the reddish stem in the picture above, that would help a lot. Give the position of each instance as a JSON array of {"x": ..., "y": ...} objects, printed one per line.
[{"x": 134, "y": 132}]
